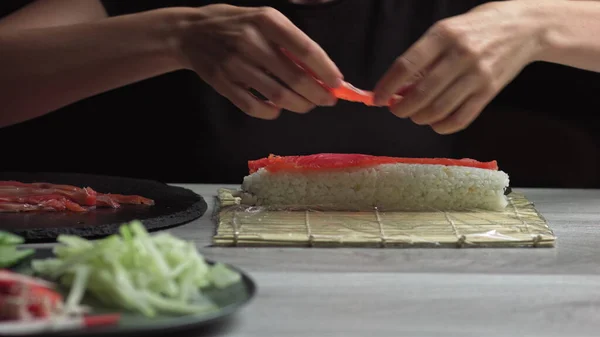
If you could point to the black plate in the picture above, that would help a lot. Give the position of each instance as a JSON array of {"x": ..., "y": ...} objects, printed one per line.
[
  {"x": 174, "y": 206},
  {"x": 229, "y": 301}
]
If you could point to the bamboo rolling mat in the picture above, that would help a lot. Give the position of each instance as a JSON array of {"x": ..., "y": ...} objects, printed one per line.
[{"x": 520, "y": 225}]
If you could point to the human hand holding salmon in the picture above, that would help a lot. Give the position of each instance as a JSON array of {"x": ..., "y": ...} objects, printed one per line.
[
  {"x": 345, "y": 90},
  {"x": 463, "y": 62},
  {"x": 235, "y": 49}
]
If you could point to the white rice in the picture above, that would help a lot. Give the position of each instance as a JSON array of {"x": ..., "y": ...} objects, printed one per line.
[{"x": 391, "y": 187}]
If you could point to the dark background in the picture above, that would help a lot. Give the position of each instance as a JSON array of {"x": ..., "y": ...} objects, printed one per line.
[{"x": 543, "y": 130}]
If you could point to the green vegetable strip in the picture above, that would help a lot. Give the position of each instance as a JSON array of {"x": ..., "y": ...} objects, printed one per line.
[
  {"x": 10, "y": 255},
  {"x": 10, "y": 239},
  {"x": 82, "y": 273},
  {"x": 177, "y": 307}
]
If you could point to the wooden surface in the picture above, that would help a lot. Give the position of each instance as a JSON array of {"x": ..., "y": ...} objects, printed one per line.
[{"x": 424, "y": 292}]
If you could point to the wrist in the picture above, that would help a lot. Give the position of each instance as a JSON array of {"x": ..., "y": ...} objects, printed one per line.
[
  {"x": 167, "y": 28},
  {"x": 550, "y": 35},
  {"x": 175, "y": 25}
]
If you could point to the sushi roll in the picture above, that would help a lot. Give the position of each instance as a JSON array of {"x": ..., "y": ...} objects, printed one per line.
[{"x": 357, "y": 182}]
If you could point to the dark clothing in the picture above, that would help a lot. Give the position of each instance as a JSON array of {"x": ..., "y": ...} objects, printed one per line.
[{"x": 176, "y": 128}]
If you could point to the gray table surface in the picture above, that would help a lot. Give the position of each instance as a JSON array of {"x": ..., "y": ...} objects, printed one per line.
[{"x": 424, "y": 292}]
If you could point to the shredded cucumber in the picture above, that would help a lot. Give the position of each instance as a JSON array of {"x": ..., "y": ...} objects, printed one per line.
[
  {"x": 136, "y": 271},
  {"x": 9, "y": 252},
  {"x": 10, "y": 239}
]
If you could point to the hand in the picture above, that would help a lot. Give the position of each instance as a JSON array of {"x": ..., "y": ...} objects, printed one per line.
[
  {"x": 462, "y": 63},
  {"x": 237, "y": 49}
]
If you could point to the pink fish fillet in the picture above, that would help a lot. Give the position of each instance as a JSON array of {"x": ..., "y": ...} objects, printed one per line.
[{"x": 17, "y": 196}]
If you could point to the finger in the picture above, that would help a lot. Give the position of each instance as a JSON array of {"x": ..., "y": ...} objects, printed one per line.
[
  {"x": 444, "y": 72},
  {"x": 282, "y": 32},
  {"x": 245, "y": 101},
  {"x": 464, "y": 116},
  {"x": 266, "y": 56},
  {"x": 413, "y": 62},
  {"x": 246, "y": 73},
  {"x": 447, "y": 102},
  {"x": 223, "y": 10}
]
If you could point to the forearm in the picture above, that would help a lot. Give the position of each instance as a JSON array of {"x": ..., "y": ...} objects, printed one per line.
[
  {"x": 44, "y": 69},
  {"x": 49, "y": 13},
  {"x": 570, "y": 33}
]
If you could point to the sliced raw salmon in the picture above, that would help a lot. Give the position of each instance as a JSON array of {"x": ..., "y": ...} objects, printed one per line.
[
  {"x": 329, "y": 161},
  {"x": 17, "y": 196},
  {"x": 347, "y": 91}
]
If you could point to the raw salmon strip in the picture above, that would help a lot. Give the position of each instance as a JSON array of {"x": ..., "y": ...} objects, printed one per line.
[
  {"x": 347, "y": 91},
  {"x": 17, "y": 196},
  {"x": 328, "y": 161}
]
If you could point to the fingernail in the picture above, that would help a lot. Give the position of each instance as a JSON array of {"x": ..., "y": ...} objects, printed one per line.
[
  {"x": 330, "y": 101},
  {"x": 397, "y": 110},
  {"x": 394, "y": 100},
  {"x": 339, "y": 82}
]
